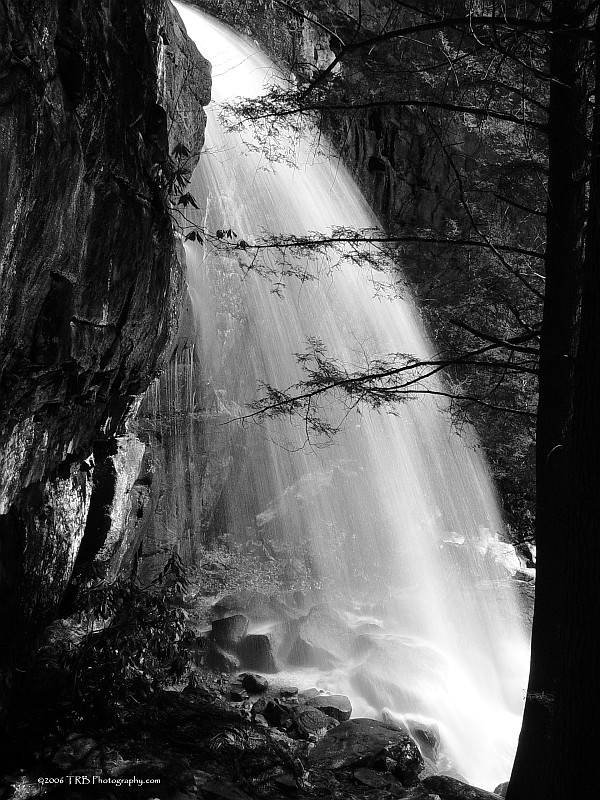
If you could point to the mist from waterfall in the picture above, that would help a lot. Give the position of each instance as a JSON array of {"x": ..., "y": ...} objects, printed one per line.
[{"x": 392, "y": 522}]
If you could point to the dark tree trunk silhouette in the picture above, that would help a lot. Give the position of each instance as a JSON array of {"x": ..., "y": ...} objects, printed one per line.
[
  {"x": 566, "y": 212},
  {"x": 577, "y": 694}
]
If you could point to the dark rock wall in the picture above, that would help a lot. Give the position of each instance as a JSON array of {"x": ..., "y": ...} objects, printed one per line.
[{"x": 93, "y": 95}]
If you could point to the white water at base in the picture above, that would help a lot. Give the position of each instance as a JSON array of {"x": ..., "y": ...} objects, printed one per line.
[{"x": 378, "y": 518}]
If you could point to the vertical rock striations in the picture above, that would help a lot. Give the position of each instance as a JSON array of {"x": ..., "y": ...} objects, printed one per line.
[{"x": 93, "y": 96}]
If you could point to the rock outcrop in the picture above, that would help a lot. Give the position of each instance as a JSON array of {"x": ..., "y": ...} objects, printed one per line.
[
  {"x": 93, "y": 97},
  {"x": 368, "y": 743}
]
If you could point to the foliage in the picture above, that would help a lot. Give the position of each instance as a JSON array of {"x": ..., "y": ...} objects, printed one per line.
[{"x": 136, "y": 641}]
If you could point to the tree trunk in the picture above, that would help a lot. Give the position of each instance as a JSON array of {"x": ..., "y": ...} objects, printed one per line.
[
  {"x": 575, "y": 731},
  {"x": 567, "y": 155}
]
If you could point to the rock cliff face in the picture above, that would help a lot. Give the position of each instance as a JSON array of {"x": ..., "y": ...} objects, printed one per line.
[{"x": 93, "y": 97}]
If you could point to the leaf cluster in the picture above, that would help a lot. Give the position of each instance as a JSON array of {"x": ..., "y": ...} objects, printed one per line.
[{"x": 136, "y": 642}]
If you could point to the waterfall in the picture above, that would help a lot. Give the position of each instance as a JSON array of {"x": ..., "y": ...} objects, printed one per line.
[{"x": 391, "y": 524}]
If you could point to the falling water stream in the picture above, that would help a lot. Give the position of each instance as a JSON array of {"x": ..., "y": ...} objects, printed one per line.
[{"x": 393, "y": 521}]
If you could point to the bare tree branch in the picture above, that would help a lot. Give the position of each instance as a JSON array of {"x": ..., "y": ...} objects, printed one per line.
[
  {"x": 510, "y": 344},
  {"x": 302, "y": 107},
  {"x": 469, "y": 21}
]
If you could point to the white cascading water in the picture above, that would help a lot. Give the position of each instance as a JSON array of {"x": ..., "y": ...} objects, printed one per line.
[{"x": 393, "y": 519}]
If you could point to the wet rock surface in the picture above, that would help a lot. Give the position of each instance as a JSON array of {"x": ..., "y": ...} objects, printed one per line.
[
  {"x": 257, "y": 651},
  {"x": 220, "y": 660},
  {"x": 452, "y": 789},
  {"x": 230, "y": 630},
  {"x": 92, "y": 103},
  {"x": 334, "y": 705},
  {"x": 364, "y": 743},
  {"x": 255, "y": 684},
  {"x": 199, "y": 744},
  {"x": 310, "y": 723}
]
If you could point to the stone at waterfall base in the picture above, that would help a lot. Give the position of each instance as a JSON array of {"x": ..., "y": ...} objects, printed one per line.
[
  {"x": 257, "y": 652},
  {"x": 452, "y": 789},
  {"x": 368, "y": 743},
  {"x": 219, "y": 660},
  {"x": 311, "y": 723},
  {"x": 337, "y": 706},
  {"x": 229, "y": 755},
  {"x": 252, "y": 683},
  {"x": 229, "y": 631},
  {"x": 372, "y": 778}
]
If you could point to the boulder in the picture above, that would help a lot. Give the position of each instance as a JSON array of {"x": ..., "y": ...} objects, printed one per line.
[
  {"x": 372, "y": 778},
  {"x": 256, "y": 605},
  {"x": 307, "y": 694},
  {"x": 427, "y": 738},
  {"x": 304, "y": 654},
  {"x": 254, "y": 684},
  {"x": 300, "y": 600},
  {"x": 258, "y": 708},
  {"x": 323, "y": 630},
  {"x": 256, "y": 651},
  {"x": 275, "y": 713},
  {"x": 337, "y": 706},
  {"x": 310, "y": 722},
  {"x": 501, "y": 789},
  {"x": 389, "y": 677},
  {"x": 288, "y": 691},
  {"x": 409, "y": 762},
  {"x": 240, "y": 601},
  {"x": 237, "y": 693},
  {"x": 217, "y": 659},
  {"x": 453, "y": 789},
  {"x": 229, "y": 631},
  {"x": 363, "y": 743}
]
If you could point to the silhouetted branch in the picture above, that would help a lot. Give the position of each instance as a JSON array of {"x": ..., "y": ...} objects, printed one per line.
[
  {"x": 376, "y": 386},
  {"x": 268, "y": 108},
  {"x": 510, "y": 344},
  {"x": 468, "y": 21},
  {"x": 289, "y": 241}
]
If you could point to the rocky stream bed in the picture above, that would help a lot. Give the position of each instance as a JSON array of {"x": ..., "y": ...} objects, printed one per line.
[
  {"x": 227, "y": 734},
  {"x": 230, "y": 738}
]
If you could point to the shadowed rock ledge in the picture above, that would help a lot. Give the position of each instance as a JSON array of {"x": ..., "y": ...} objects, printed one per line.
[{"x": 93, "y": 97}]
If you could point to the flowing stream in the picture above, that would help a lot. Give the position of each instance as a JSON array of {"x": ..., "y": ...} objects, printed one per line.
[{"x": 394, "y": 525}]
